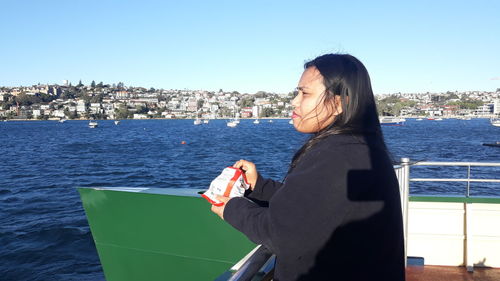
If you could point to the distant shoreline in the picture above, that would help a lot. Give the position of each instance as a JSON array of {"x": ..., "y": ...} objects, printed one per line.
[{"x": 227, "y": 118}]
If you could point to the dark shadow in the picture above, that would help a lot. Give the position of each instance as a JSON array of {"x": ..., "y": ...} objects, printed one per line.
[{"x": 368, "y": 245}]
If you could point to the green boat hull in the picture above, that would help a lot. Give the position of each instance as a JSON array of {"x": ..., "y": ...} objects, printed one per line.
[{"x": 160, "y": 234}]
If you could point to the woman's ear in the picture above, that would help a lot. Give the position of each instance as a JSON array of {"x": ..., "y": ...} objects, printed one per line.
[{"x": 338, "y": 104}]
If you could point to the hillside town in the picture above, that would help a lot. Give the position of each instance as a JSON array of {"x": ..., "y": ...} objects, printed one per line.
[{"x": 117, "y": 101}]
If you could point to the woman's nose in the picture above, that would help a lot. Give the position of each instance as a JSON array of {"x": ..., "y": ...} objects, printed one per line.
[{"x": 296, "y": 100}]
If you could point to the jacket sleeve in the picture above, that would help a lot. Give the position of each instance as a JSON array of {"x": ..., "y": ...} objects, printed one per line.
[
  {"x": 309, "y": 206},
  {"x": 264, "y": 189}
]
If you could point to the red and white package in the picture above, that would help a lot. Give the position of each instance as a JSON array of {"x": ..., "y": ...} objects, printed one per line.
[{"x": 232, "y": 182}]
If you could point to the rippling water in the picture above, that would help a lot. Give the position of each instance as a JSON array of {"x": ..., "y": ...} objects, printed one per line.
[{"x": 44, "y": 234}]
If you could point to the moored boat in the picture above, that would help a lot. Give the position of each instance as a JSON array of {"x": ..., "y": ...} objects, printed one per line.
[
  {"x": 93, "y": 124},
  {"x": 391, "y": 121},
  {"x": 495, "y": 122},
  {"x": 232, "y": 123},
  {"x": 493, "y": 144}
]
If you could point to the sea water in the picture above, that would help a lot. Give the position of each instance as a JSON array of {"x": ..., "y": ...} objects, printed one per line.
[{"x": 44, "y": 234}]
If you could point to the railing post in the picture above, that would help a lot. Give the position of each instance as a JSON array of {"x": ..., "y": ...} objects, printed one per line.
[
  {"x": 404, "y": 181},
  {"x": 468, "y": 181},
  {"x": 468, "y": 237}
]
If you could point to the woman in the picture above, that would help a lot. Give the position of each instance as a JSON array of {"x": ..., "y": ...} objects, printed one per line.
[{"x": 337, "y": 215}]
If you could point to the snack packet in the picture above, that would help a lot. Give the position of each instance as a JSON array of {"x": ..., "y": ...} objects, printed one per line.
[{"x": 232, "y": 182}]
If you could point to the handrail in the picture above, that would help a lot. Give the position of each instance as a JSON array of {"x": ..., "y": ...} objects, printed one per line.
[
  {"x": 444, "y": 163},
  {"x": 252, "y": 264},
  {"x": 404, "y": 179},
  {"x": 468, "y": 180}
]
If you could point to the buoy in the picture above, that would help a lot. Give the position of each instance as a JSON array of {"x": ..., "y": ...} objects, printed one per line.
[{"x": 183, "y": 142}]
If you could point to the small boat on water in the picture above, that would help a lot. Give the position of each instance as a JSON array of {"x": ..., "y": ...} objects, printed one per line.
[
  {"x": 256, "y": 121},
  {"x": 495, "y": 144},
  {"x": 205, "y": 121},
  {"x": 62, "y": 120},
  {"x": 495, "y": 122},
  {"x": 117, "y": 122},
  {"x": 391, "y": 121},
  {"x": 197, "y": 121},
  {"x": 93, "y": 124},
  {"x": 232, "y": 123},
  {"x": 419, "y": 119},
  {"x": 290, "y": 122}
]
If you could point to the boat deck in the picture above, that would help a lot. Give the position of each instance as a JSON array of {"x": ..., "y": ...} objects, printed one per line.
[{"x": 450, "y": 273}]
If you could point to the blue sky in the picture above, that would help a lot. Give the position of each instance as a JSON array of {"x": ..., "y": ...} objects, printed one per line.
[{"x": 247, "y": 46}]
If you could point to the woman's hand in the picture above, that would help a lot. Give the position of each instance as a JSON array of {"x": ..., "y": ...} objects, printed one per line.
[
  {"x": 250, "y": 171},
  {"x": 219, "y": 210}
]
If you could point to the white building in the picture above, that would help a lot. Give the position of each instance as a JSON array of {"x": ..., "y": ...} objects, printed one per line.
[
  {"x": 140, "y": 116},
  {"x": 485, "y": 109},
  {"x": 496, "y": 107},
  {"x": 37, "y": 113},
  {"x": 58, "y": 113},
  {"x": 80, "y": 106},
  {"x": 256, "y": 111},
  {"x": 167, "y": 115},
  {"x": 95, "y": 108}
]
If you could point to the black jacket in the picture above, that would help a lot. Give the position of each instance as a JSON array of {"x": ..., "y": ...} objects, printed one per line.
[{"x": 337, "y": 216}]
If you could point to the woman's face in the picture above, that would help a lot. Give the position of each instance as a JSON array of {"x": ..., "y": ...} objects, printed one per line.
[{"x": 310, "y": 114}]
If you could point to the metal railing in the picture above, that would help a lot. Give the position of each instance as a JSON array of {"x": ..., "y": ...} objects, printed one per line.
[
  {"x": 253, "y": 265},
  {"x": 403, "y": 175}
]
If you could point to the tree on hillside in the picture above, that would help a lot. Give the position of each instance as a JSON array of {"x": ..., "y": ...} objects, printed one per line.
[
  {"x": 24, "y": 99},
  {"x": 247, "y": 102},
  {"x": 97, "y": 98},
  {"x": 199, "y": 103},
  {"x": 267, "y": 112},
  {"x": 141, "y": 109},
  {"x": 260, "y": 94},
  {"x": 122, "y": 112}
]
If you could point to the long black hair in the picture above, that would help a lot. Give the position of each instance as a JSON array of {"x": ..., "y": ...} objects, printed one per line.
[{"x": 344, "y": 76}]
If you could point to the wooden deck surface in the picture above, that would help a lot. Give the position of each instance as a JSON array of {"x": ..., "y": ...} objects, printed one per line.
[{"x": 450, "y": 273}]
